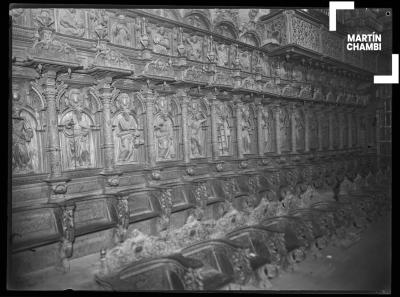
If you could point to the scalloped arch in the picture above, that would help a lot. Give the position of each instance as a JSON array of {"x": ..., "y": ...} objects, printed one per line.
[
  {"x": 205, "y": 20},
  {"x": 254, "y": 35},
  {"x": 231, "y": 27}
]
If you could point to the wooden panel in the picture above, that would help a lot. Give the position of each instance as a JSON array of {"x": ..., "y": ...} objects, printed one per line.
[{"x": 92, "y": 212}]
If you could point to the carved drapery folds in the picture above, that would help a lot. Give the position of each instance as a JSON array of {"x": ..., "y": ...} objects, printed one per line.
[
  {"x": 224, "y": 127},
  {"x": 166, "y": 128},
  {"x": 27, "y": 132},
  {"x": 268, "y": 130},
  {"x": 197, "y": 123},
  {"x": 79, "y": 127},
  {"x": 127, "y": 122}
]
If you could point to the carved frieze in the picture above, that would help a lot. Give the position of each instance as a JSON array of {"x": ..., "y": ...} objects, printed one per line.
[
  {"x": 160, "y": 67},
  {"x": 196, "y": 74},
  {"x": 108, "y": 57},
  {"x": 223, "y": 77}
]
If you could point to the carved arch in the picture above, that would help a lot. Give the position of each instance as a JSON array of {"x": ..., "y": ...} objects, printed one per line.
[
  {"x": 203, "y": 19},
  {"x": 224, "y": 27},
  {"x": 253, "y": 35}
]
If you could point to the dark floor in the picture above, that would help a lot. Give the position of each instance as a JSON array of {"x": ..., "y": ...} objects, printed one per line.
[{"x": 366, "y": 265}]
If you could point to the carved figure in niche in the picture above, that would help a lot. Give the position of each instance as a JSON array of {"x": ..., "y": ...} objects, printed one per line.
[
  {"x": 196, "y": 122},
  {"x": 77, "y": 131},
  {"x": 268, "y": 130},
  {"x": 249, "y": 39},
  {"x": 164, "y": 133},
  {"x": 22, "y": 152},
  {"x": 195, "y": 47},
  {"x": 246, "y": 130},
  {"x": 223, "y": 130},
  {"x": 284, "y": 120},
  {"x": 17, "y": 15},
  {"x": 121, "y": 33},
  {"x": 128, "y": 136},
  {"x": 244, "y": 60},
  {"x": 300, "y": 129},
  {"x": 160, "y": 41},
  {"x": 222, "y": 54},
  {"x": 99, "y": 20},
  {"x": 72, "y": 22}
]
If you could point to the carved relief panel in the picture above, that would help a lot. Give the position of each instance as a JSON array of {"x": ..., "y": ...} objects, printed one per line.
[
  {"x": 198, "y": 123},
  {"x": 224, "y": 128},
  {"x": 79, "y": 129},
  {"x": 300, "y": 129},
  {"x": 71, "y": 21},
  {"x": 305, "y": 34},
  {"x": 122, "y": 31},
  {"x": 194, "y": 47},
  {"x": 284, "y": 121},
  {"x": 268, "y": 130},
  {"x": 98, "y": 20},
  {"x": 197, "y": 20},
  {"x": 160, "y": 39},
  {"x": 43, "y": 18},
  {"x": 127, "y": 123},
  {"x": 27, "y": 130},
  {"x": 21, "y": 16},
  {"x": 274, "y": 31},
  {"x": 248, "y": 129},
  {"x": 166, "y": 128},
  {"x": 222, "y": 54},
  {"x": 245, "y": 57}
]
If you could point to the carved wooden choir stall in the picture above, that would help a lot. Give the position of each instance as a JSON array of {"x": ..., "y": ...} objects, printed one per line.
[{"x": 196, "y": 149}]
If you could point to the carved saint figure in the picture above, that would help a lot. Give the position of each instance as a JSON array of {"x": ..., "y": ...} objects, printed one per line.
[
  {"x": 194, "y": 52},
  {"x": 161, "y": 41},
  {"x": 128, "y": 137},
  {"x": 21, "y": 152},
  {"x": 222, "y": 55},
  {"x": 245, "y": 60},
  {"x": 196, "y": 134},
  {"x": 223, "y": 131},
  {"x": 268, "y": 130},
  {"x": 71, "y": 22},
  {"x": 246, "y": 131},
  {"x": 121, "y": 34},
  {"x": 164, "y": 135},
  {"x": 284, "y": 129},
  {"x": 99, "y": 20},
  {"x": 77, "y": 133}
]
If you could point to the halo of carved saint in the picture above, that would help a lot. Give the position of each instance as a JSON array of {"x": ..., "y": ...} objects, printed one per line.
[
  {"x": 127, "y": 129},
  {"x": 224, "y": 129},
  {"x": 78, "y": 137},
  {"x": 268, "y": 130},
  {"x": 165, "y": 133},
  {"x": 197, "y": 122}
]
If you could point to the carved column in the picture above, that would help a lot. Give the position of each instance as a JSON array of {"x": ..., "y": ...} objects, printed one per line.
[
  {"x": 238, "y": 109},
  {"x": 260, "y": 140},
  {"x": 276, "y": 111},
  {"x": 149, "y": 99},
  {"x": 341, "y": 129},
  {"x": 320, "y": 135},
  {"x": 331, "y": 140},
  {"x": 185, "y": 131},
  {"x": 306, "y": 130},
  {"x": 349, "y": 130},
  {"x": 68, "y": 236},
  {"x": 293, "y": 127},
  {"x": 108, "y": 147},
  {"x": 214, "y": 141},
  {"x": 54, "y": 154}
]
